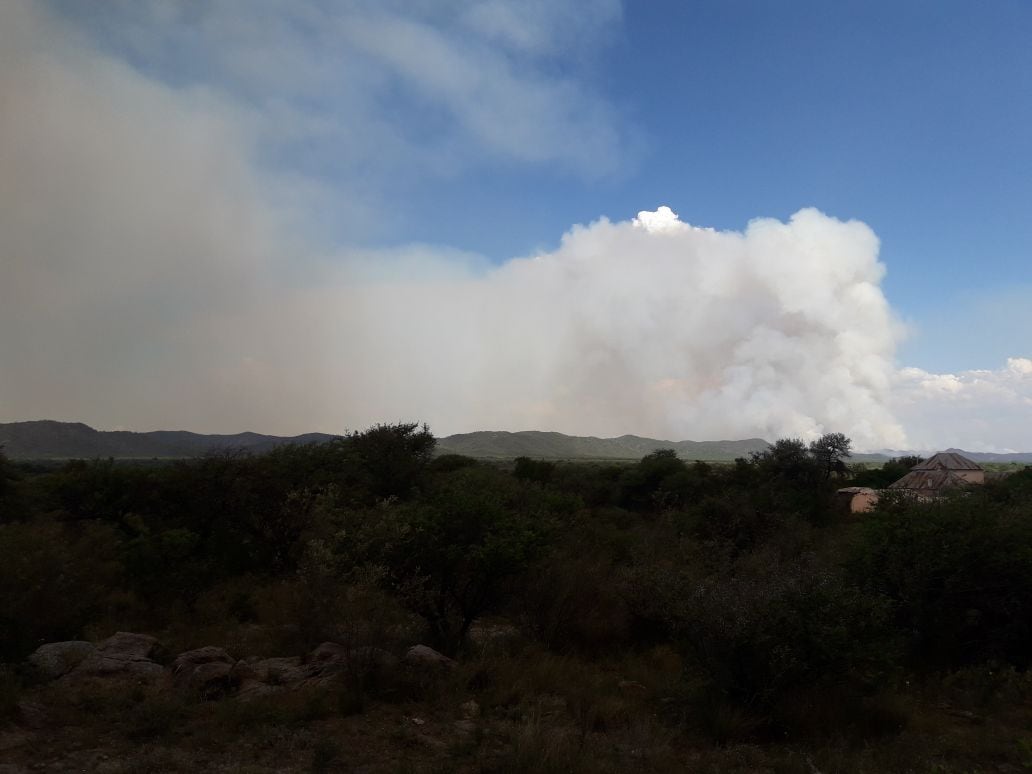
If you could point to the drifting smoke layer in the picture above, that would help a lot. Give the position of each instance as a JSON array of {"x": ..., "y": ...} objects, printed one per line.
[
  {"x": 153, "y": 275},
  {"x": 649, "y": 326}
]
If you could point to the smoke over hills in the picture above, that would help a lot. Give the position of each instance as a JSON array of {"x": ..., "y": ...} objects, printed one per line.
[{"x": 156, "y": 271}]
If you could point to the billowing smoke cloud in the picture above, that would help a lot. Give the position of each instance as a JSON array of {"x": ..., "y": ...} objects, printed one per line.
[
  {"x": 648, "y": 326},
  {"x": 154, "y": 274}
]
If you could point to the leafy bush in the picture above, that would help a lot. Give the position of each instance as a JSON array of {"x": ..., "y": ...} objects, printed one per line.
[
  {"x": 958, "y": 572},
  {"x": 760, "y": 630},
  {"x": 450, "y": 556},
  {"x": 573, "y": 600},
  {"x": 54, "y": 580}
]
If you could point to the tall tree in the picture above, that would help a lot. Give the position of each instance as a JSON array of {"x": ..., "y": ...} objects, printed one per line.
[{"x": 831, "y": 451}]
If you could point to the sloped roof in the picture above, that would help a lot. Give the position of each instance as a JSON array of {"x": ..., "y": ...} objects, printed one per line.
[
  {"x": 928, "y": 480},
  {"x": 947, "y": 461}
]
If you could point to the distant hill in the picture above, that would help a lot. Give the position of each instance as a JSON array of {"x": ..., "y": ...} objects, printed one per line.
[
  {"x": 47, "y": 439},
  {"x": 556, "y": 446},
  {"x": 985, "y": 456}
]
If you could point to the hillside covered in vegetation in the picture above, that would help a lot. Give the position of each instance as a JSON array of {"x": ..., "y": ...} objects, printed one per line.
[{"x": 658, "y": 615}]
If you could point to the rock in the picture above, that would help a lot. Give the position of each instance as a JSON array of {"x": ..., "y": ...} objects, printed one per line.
[
  {"x": 58, "y": 658},
  {"x": 192, "y": 659},
  {"x": 332, "y": 652},
  {"x": 32, "y": 714},
  {"x": 632, "y": 686},
  {"x": 470, "y": 709},
  {"x": 362, "y": 657},
  {"x": 206, "y": 671},
  {"x": 212, "y": 680},
  {"x": 271, "y": 671},
  {"x": 252, "y": 689},
  {"x": 100, "y": 666},
  {"x": 131, "y": 647},
  {"x": 123, "y": 655},
  {"x": 265, "y": 677},
  {"x": 11, "y": 738},
  {"x": 424, "y": 657}
]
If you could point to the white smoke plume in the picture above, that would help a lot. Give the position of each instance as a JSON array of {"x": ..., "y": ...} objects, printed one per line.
[
  {"x": 648, "y": 326},
  {"x": 154, "y": 275}
]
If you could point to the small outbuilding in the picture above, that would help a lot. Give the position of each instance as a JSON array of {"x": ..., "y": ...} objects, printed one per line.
[{"x": 858, "y": 499}]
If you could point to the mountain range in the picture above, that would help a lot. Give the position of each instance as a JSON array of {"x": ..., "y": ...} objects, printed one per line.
[{"x": 48, "y": 439}]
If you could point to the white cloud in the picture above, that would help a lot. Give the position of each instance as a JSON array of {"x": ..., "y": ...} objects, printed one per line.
[{"x": 979, "y": 410}]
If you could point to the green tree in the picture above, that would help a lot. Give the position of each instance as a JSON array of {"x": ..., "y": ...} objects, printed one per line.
[
  {"x": 831, "y": 451},
  {"x": 393, "y": 458},
  {"x": 652, "y": 482},
  {"x": 449, "y": 556},
  {"x": 890, "y": 472}
]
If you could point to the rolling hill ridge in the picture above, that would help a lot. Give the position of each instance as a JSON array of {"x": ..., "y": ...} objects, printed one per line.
[{"x": 48, "y": 439}]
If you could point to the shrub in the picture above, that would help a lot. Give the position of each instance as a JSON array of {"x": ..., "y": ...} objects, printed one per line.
[
  {"x": 54, "y": 580},
  {"x": 761, "y": 629},
  {"x": 450, "y": 556},
  {"x": 573, "y": 601},
  {"x": 958, "y": 572}
]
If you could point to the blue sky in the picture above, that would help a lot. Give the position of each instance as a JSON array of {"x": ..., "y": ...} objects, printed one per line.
[
  {"x": 335, "y": 149},
  {"x": 913, "y": 117}
]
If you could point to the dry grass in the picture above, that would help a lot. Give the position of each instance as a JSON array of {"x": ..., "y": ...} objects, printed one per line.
[{"x": 538, "y": 712}]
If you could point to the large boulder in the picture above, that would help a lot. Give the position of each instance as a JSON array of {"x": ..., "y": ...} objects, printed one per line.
[
  {"x": 271, "y": 671},
  {"x": 58, "y": 658},
  {"x": 206, "y": 671},
  {"x": 423, "y": 657},
  {"x": 128, "y": 646},
  {"x": 124, "y": 654},
  {"x": 330, "y": 652},
  {"x": 213, "y": 680},
  {"x": 267, "y": 676},
  {"x": 194, "y": 658},
  {"x": 362, "y": 658}
]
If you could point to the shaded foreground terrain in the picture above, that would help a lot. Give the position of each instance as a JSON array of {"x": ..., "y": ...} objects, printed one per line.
[{"x": 277, "y": 611}]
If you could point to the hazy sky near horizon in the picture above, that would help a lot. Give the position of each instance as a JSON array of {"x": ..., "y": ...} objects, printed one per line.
[{"x": 315, "y": 215}]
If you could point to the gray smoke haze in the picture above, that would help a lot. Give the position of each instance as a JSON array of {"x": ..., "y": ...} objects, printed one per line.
[{"x": 154, "y": 274}]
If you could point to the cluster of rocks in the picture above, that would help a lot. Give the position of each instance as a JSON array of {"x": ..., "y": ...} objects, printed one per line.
[{"x": 212, "y": 673}]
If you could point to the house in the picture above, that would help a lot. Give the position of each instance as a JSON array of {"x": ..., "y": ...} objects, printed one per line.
[{"x": 940, "y": 472}]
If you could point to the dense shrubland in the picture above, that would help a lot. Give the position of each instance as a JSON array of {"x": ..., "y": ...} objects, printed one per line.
[{"x": 745, "y": 604}]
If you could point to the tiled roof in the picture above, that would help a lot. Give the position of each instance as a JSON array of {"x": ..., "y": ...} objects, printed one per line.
[
  {"x": 928, "y": 480},
  {"x": 947, "y": 461}
]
